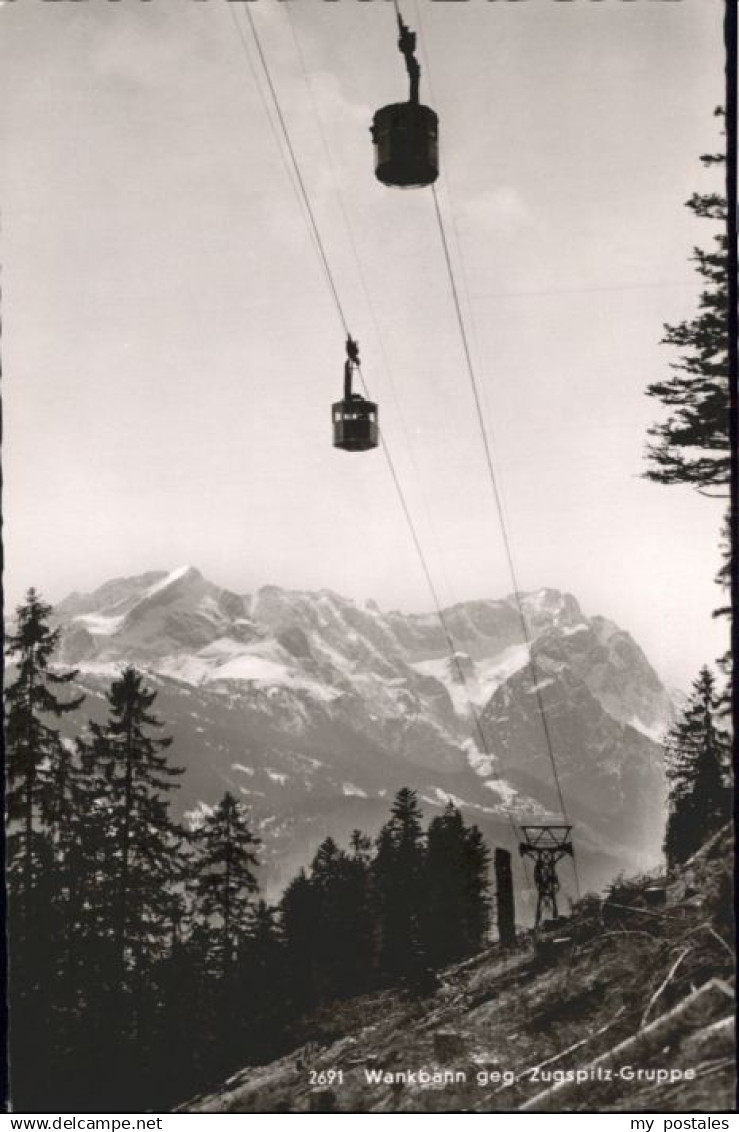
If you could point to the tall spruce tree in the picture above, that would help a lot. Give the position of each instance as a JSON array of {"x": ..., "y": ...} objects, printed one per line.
[
  {"x": 223, "y": 867},
  {"x": 343, "y": 929},
  {"x": 692, "y": 445},
  {"x": 476, "y": 857},
  {"x": 456, "y": 908},
  {"x": 298, "y": 908},
  {"x": 142, "y": 839},
  {"x": 698, "y": 765},
  {"x": 36, "y": 756},
  {"x": 445, "y": 905},
  {"x": 398, "y": 876},
  {"x": 35, "y": 753}
]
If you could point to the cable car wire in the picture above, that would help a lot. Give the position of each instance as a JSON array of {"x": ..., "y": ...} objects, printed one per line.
[
  {"x": 298, "y": 174},
  {"x": 273, "y": 129},
  {"x": 486, "y": 433},
  {"x": 451, "y": 646},
  {"x": 501, "y": 519},
  {"x": 366, "y": 291},
  {"x": 383, "y": 444},
  {"x": 494, "y": 478}
]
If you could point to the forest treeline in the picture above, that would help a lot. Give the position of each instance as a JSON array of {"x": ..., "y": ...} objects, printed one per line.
[{"x": 144, "y": 963}]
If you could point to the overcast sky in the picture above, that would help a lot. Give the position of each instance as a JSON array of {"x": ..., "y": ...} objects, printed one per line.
[{"x": 171, "y": 349}]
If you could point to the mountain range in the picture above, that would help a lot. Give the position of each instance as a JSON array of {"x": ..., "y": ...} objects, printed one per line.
[{"x": 315, "y": 709}]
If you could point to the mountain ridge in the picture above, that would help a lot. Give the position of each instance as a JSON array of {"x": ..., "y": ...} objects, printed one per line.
[{"x": 328, "y": 701}]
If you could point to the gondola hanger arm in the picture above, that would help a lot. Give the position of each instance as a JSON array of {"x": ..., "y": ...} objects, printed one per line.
[{"x": 407, "y": 47}]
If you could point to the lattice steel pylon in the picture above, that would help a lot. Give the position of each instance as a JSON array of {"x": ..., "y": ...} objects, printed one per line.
[{"x": 547, "y": 844}]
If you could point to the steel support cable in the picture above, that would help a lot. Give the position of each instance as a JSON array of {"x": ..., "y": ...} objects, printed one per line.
[
  {"x": 442, "y": 619},
  {"x": 469, "y": 699},
  {"x": 394, "y": 475},
  {"x": 488, "y": 431},
  {"x": 298, "y": 174},
  {"x": 391, "y": 466},
  {"x": 446, "y": 181},
  {"x": 501, "y": 519},
  {"x": 484, "y": 428},
  {"x": 273, "y": 129},
  {"x": 365, "y": 290}
]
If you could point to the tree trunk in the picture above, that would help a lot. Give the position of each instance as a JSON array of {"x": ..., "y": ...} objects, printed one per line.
[
  {"x": 691, "y": 1014},
  {"x": 29, "y": 784},
  {"x": 125, "y": 849}
]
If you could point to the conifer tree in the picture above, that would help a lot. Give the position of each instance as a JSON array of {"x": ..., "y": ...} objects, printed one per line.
[
  {"x": 297, "y": 909},
  {"x": 445, "y": 905},
  {"x": 260, "y": 950},
  {"x": 34, "y": 749},
  {"x": 359, "y": 912},
  {"x": 343, "y": 934},
  {"x": 398, "y": 885},
  {"x": 692, "y": 445},
  {"x": 223, "y": 867},
  {"x": 261, "y": 981},
  {"x": 476, "y": 857},
  {"x": 34, "y": 754},
  {"x": 141, "y": 837},
  {"x": 456, "y": 910},
  {"x": 698, "y": 763}
]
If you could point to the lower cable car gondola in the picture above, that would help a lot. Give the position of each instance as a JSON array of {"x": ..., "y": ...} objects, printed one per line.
[
  {"x": 354, "y": 419},
  {"x": 406, "y": 134}
]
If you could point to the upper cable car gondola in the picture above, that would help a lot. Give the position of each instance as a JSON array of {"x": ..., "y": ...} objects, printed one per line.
[
  {"x": 406, "y": 134},
  {"x": 355, "y": 418}
]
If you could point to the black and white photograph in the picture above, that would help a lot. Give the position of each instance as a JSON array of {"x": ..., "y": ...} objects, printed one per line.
[{"x": 368, "y": 457}]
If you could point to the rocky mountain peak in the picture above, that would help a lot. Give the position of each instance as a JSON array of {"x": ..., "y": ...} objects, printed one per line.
[{"x": 320, "y": 697}]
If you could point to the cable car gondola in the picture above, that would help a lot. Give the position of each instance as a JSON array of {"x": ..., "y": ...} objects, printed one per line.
[
  {"x": 406, "y": 134},
  {"x": 355, "y": 418}
]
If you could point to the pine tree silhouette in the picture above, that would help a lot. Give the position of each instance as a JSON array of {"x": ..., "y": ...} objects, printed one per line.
[
  {"x": 298, "y": 908},
  {"x": 398, "y": 884},
  {"x": 456, "y": 884},
  {"x": 697, "y": 753},
  {"x": 445, "y": 905},
  {"x": 34, "y": 749},
  {"x": 692, "y": 445},
  {"x": 35, "y": 752},
  {"x": 223, "y": 867},
  {"x": 476, "y": 857},
  {"x": 261, "y": 978},
  {"x": 343, "y": 924},
  {"x": 142, "y": 840}
]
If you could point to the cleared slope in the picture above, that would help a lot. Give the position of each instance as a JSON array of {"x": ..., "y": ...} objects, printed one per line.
[{"x": 638, "y": 988}]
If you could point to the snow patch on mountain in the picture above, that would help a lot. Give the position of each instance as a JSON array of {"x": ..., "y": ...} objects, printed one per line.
[
  {"x": 481, "y": 763},
  {"x": 174, "y": 576},
  {"x": 228, "y": 660},
  {"x": 656, "y": 732},
  {"x": 330, "y": 698},
  {"x": 506, "y": 793},
  {"x": 101, "y": 624},
  {"x": 471, "y": 683}
]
